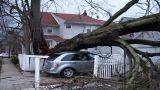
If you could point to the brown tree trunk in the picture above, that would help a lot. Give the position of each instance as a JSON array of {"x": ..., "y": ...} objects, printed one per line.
[{"x": 38, "y": 41}]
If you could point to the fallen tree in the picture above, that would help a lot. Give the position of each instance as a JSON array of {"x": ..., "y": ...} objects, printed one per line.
[
  {"x": 110, "y": 36},
  {"x": 106, "y": 36}
]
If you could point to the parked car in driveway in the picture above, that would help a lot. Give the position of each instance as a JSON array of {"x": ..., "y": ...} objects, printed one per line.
[{"x": 67, "y": 64}]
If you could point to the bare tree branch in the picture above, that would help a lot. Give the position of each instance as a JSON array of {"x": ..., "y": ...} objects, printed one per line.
[{"x": 121, "y": 11}]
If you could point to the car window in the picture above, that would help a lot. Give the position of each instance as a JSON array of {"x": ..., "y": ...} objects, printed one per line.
[
  {"x": 81, "y": 57},
  {"x": 91, "y": 57},
  {"x": 86, "y": 57},
  {"x": 72, "y": 57},
  {"x": 69, "y": 57},
  {"x": 77, "y": 57},
  {"x": 53, "y": 56}
]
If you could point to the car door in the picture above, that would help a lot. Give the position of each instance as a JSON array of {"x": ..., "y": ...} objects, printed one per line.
[
  {"x": 90, "y": 63},
  {"x": 73, "y": 61},
  {"x": 84, "y": 63}
]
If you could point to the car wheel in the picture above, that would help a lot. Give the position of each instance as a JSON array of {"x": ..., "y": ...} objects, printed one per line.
[{"x": 68, "y": 73}]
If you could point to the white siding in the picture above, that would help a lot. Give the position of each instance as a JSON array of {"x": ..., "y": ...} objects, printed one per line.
[
  {"x": 55, "y": 30},
  {"x": 68, "y": 33},
  {"x": 61, "y": 24},
  {"x": 150, "y": 35},
  {"x": 102, "y": 50},
  {"x": 76, "y": 29},
  {"x": 52, "y": 44}
]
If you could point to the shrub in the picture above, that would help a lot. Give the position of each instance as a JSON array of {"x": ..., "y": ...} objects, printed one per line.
[
  {"x": 0, "y": 64},
  {"x": 14, "y": 60}
]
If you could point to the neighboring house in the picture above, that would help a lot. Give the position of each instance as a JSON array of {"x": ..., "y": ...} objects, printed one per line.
[
  {"x": 149, "y": 35},
  {"x": 60, "y": 26}
]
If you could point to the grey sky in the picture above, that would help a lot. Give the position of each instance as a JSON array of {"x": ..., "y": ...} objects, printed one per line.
[{"x": 78, "y": 6}]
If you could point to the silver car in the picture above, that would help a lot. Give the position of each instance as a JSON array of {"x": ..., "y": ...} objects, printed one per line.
[{"x": 67, "y": 64}]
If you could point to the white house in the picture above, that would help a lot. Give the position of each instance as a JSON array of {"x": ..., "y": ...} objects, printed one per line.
[{"x": 60, "y": 26}]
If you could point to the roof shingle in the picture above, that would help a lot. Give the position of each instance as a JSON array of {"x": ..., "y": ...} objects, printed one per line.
[
  {"x": 77, "y": 18},
  {"x": 48, "y": 19}
]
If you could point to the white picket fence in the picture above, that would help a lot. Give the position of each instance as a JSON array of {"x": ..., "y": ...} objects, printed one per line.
[
  {"x": 103, "y": 67},
  {"x": 27, "y": 62},
  {"x": 107, "y": 67}
]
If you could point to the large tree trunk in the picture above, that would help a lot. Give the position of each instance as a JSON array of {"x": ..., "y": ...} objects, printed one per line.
[
  {"x": 38, "y": 41},
  {"x": 105, "y": 36}
]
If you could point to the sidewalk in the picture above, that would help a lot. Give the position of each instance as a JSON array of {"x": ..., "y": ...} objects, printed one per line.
[{"x": 11, "y": 78}]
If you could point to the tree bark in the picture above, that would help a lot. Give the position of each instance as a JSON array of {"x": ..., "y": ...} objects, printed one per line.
[{"x": 38, "y": 41}]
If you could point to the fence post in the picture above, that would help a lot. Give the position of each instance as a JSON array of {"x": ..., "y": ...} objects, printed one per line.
[
  {"x": 95, "y": 72},
  {"x": 37, "y": 74}
]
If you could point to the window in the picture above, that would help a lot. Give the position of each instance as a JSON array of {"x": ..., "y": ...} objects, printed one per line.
[
  {"x": 49, "y": 30},
  {"x": 68, "y": 25},
  {"x": 68, "y": 57},
  {"x": 77, "y": 57},
  {"x": 88, "y": 30},
  {"x": 53, "y": 56},
  {"x": 86, "y": 57}
]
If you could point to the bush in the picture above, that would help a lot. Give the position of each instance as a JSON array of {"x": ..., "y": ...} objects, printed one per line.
[
  {"x": 0, "y": 64},
  {"x": 14, "y": 60}
]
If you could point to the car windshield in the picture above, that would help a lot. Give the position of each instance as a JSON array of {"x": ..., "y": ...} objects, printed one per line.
[{"x": 53, "y": 56}]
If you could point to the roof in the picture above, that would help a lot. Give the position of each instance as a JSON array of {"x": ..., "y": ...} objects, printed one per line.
[
  {"x": 76, "y": 18},
  {"x": 125, "y": 19},
  {"x": 54, "y": 37},
  {"x": 48, "y": 19}
]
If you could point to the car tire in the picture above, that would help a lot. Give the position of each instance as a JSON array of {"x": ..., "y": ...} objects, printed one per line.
[{"x": 68, "y": 73}]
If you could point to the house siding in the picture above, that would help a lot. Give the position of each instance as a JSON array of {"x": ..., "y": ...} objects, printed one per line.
[
  {"x": 55, "y": 30},
  {"x": 61, "y": 25},
  {"x": 76, "y": 29},
  {"x": 53, "y": 43},
  {"x": 68, "y": 33}
]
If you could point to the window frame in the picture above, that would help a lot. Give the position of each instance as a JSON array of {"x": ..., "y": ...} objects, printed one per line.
[
  {"x": 49, "y": 31},
  {"x": 68, "y": 26}
]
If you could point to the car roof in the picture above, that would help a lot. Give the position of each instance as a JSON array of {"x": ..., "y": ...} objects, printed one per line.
[{"x": 75, "y": 52}]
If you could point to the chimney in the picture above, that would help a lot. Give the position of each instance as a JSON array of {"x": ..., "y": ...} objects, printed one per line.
[{"x": 85, "y": 13}]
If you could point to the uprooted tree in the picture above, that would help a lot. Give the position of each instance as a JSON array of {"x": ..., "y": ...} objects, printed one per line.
[
  {"x": 106, "y": 35},
  {"x": 109, "y": 35}
]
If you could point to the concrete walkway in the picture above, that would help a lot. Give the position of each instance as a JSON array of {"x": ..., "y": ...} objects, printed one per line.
[{"x": 11, "y": 78}]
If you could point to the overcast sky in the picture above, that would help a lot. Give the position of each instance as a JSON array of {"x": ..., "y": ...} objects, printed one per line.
[{"x": 78, "y": 6}]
